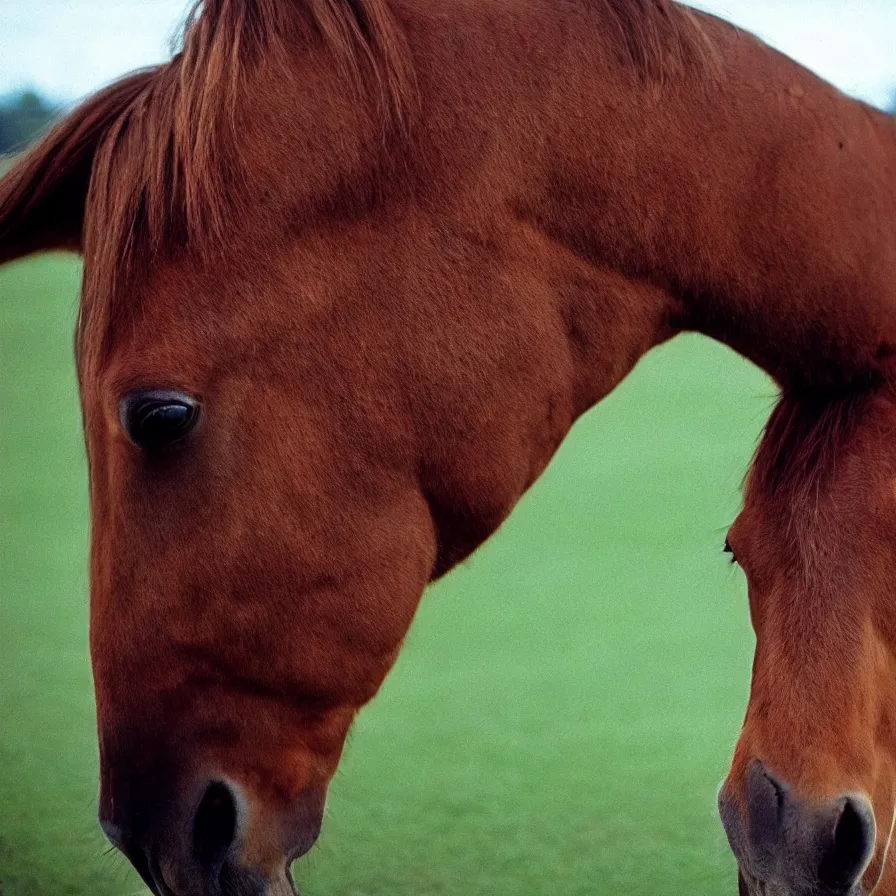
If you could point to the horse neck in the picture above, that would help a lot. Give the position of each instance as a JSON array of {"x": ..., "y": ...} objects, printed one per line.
[
  {"x": 756, "y": 198},
  {"x": 797, "y": 261}
]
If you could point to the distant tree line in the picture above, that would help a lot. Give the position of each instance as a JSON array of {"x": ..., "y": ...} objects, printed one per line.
[{"x": 24, "y": 117}]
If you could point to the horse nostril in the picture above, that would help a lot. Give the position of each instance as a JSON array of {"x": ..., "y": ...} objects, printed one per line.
[
  {"x": 214, "y": 826},
  {"x": 850, "y": 847}
]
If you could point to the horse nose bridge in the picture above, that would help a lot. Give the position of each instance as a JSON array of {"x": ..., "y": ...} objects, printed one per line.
[{"x": 796, "y": 845}]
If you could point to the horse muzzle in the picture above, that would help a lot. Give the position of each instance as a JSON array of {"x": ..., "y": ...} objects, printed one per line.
[
  {"x": 217, "y": 843},
  {"x": 786, "y": 846}
]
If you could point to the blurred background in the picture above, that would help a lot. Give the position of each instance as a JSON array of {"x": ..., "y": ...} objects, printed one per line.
[{"x": 568, "y": 700}]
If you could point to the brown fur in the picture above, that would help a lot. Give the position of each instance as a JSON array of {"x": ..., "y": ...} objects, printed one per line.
[
  {"x": 815, "y": 541},
  {"x": 796, "y": 466},
  {"x": 396, "y": 248},
  {"x": 176, "y": 145}
]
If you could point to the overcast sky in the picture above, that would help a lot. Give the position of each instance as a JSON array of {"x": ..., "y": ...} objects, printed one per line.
[{"x": 70, "y": 47}]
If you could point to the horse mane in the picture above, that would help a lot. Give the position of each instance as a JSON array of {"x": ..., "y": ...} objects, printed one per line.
[
  {"x": 802, "y": 439},
  {"x": 42, "y": 198},
  {"x": 796, "y": 462},
  {"x": 658, "y": 37},
  {"x": 173, "y": 153},
  {"x": 169, "y": 168}
]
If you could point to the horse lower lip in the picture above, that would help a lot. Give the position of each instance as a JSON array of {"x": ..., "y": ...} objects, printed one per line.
[
  {"x": 159, "y": 878},
  {"x": 160, "y": 887},
  {"x": 285, "y": 886}
]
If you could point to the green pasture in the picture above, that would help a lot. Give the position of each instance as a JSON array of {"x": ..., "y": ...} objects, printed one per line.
[{"x": 565, "y": 707}]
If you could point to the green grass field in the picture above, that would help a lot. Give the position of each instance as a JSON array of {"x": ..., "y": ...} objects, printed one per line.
[{"x": 565, "y": 707}]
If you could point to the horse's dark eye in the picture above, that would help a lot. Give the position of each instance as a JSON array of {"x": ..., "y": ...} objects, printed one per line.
[
  {"x": 730, "y": 550},
  {"x": 156, "y": 420}
]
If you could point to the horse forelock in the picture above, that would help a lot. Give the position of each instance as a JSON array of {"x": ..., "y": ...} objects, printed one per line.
[
  {"x": 796, "y": 466},
  {"x": 658, "y": 37},
  {"x": 171, "y": 170}
]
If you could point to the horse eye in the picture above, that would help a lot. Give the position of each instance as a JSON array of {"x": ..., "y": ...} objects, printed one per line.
[
  {"x": 156, "y": 420},
  {"x": 730, "y": 550}
]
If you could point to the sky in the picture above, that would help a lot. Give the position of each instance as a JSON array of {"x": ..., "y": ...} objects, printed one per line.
[{"x": 68, "y": 48}]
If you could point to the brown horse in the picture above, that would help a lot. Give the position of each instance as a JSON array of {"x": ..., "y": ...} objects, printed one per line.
[{"x": 352, "y": 270}]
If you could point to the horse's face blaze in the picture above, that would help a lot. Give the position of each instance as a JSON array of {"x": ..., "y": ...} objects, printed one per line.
[
  {"x": 820, "y": 562},
  {"x": 252, "y": 582}
]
